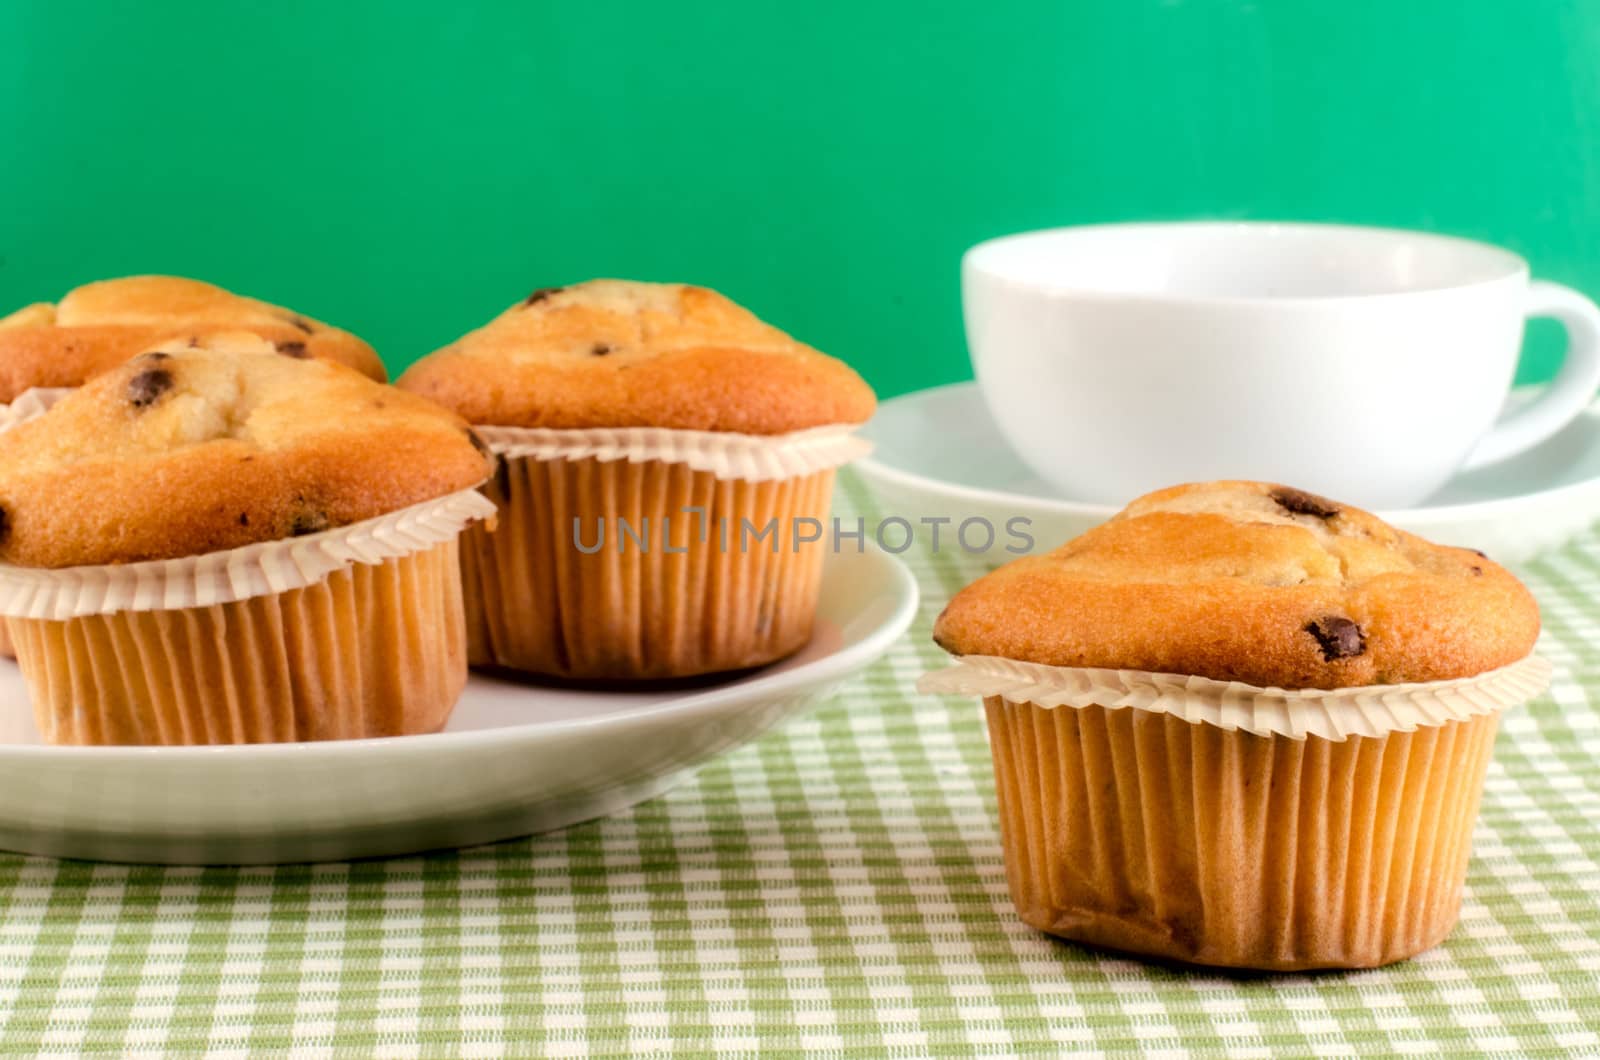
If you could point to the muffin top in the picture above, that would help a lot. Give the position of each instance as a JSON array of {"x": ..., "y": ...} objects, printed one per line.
[
  {"x": 183, "y": 451},
  {"x": 1251, "y": 582},
  {"x": 613, "y": 353},
  {"x": 101, "y": 325}
]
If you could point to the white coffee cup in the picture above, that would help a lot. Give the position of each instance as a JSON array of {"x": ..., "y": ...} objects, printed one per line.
[{"x": 1363, "y": 363}]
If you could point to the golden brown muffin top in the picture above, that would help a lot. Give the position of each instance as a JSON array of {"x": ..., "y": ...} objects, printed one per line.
[
  {"x": 614, "y": 353},
  {"x": 1252, "y": 582},
  {"x": 184, "y": 451},
  {"x": 100, "y": 325}
]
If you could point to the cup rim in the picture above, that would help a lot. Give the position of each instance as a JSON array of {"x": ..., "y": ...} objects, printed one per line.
[{"x": 1500, "y": 263}]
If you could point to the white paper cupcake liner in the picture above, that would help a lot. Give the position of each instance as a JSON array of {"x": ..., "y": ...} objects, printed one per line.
[
  {"x": 31, "y": 404},
  {"x": 234, "y": 574},
  {"x": 1334, "y": 714},
  {"x": 752, "y": 457}
]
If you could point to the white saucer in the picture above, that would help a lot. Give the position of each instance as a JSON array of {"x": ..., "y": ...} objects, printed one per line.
[
  {"x": 515, "y": 759},
  {"x": 939, "y": 454}
]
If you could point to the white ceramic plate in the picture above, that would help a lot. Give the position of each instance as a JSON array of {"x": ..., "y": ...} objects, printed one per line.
[
  {"x": 939, "y": 454},
  {"x": 515, "y": 759}
]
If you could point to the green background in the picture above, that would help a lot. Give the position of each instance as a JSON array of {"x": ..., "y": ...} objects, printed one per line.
[{"x": 408, "y": 169}]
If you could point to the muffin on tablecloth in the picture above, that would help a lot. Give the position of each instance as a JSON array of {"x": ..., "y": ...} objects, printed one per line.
[
  {"x": 1243, "y": 725},
  {"x": 667, "y": 465},
  {"x": 226, "y": 545}
]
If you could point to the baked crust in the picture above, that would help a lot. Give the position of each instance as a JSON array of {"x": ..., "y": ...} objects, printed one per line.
[
  {"x": 101, "y": 325},
  {"x": 186, "y": 450},
  {"x": 614, "y": 353},
  {"x": 1251, "y": 582}
]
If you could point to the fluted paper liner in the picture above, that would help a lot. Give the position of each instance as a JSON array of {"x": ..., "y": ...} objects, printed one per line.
[
  {"x": 355, "y": 632},
  {"x": 1141, "y": 829},
  {"x": 752, "y": 457},
  {"x": 690, "y": 592},
  {"x": 1334, "y": 714},
  {"x": 235, "y": 574}
]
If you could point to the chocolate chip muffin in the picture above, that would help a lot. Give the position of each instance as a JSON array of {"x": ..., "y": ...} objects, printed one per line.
[
  {"x": 98, "y": 326},
  {"x": 614, "y": 353},
  {"x": 226, "y": 545},
  {"x": 1243, "y": 725},
  {"x": 1240, "y": 581},
  {"x": 641, "y": 427}
]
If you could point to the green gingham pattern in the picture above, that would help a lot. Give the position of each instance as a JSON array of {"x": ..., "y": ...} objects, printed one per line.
[{"x": 835, "y": 888}]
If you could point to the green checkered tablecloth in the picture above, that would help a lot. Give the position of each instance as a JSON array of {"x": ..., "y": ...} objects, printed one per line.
[{"x": 835, "y": 888}]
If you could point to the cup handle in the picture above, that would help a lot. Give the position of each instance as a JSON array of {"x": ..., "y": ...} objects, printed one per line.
[{"x": 1568, "y": 394}]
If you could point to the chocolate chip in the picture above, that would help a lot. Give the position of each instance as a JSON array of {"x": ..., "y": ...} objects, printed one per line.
[
  {"x": 1477, "y": 570},
  {"x": 302, "y": 323},
  {"x": 146, "y": 388},
  {"x": 1480, "y": 555},
  {"x": 297, "y": 350},
  {"x": 601, "y": 349},
  {"x": 1337, "y": 636},
  {"x": 308, "y": 523},
  {"x": 155, "y": 355},
  {"x": 244, "y": 519},
  {"x": 541, "y": 294},
  {"x": 5, "y": 525},
  {"x": 1301, "y": 503}
]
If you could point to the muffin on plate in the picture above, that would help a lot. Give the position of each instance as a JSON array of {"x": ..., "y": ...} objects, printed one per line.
[
  {"x": 667, "y": 465},
  {"x": 226, "y": 545},
  {"x": 1243, "y": 725},
  {"x": 98, "y": 326},
  {"x": 46, "y": 349}
]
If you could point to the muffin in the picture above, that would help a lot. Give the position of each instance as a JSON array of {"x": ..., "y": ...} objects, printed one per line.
[
  {"x": 667, "y": 465},
  {"x": 226, "y": 545},
  {"x": 1242, "y": 725},
  {"x": 99, "y": 326},
  {"x": 45, "y": 348}
]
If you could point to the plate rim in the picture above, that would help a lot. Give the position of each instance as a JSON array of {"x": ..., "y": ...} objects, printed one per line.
[
  {"x": 876, "y": 470},
  {"x": 836, "y": 665}
]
